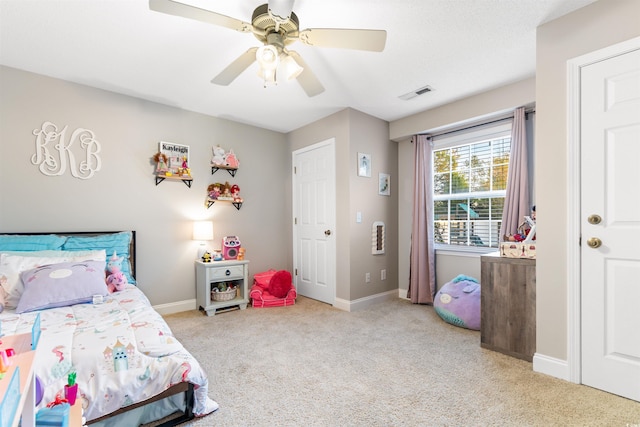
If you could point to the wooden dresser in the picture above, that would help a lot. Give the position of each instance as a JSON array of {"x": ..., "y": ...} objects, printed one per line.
[{"x": 508, "y": 305}]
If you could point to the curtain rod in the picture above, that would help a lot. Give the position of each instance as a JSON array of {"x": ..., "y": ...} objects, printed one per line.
[{"x": 433, "y": 135}]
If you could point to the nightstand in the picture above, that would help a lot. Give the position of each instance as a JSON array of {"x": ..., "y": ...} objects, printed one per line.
[{"x": 210, "y": 274}]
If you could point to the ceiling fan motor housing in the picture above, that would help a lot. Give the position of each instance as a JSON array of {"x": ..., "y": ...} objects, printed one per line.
[{"x": 263, "y": 21}]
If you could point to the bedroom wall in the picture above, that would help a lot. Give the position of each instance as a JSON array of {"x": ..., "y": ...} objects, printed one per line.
[
  {"x": 598, "y": 25},
  {"x": 356, "y": 132},
  {"x": 123, "y": 194}
]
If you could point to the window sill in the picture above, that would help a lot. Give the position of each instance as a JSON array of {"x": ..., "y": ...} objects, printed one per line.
[{"x": 468, "y": 251}]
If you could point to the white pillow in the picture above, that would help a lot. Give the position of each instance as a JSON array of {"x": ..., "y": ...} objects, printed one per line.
[{"x": 12, "y": 265}]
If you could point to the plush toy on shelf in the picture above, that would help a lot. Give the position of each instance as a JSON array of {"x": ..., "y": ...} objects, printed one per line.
[
  {"x": 116, "y": 280},
  {"x": 218, "y": 156}
]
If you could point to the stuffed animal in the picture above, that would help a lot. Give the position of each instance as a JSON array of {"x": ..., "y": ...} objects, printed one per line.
[
  {"x": 218, "y": 156},
  {"x": 458, "y": 302},
  {"x": 116, "y": 280},
  {"x": 231, "y": 160}
]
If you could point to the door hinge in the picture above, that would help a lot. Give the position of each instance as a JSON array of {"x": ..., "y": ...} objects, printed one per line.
[
  {"x": 295, "y": 271},
  {"x": 295, "y": 170},
  {"x": 295, "y": 221}
]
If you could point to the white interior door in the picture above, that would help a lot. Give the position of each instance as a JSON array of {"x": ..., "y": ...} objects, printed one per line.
[
  {"x": 610, "y": 251},
  {"x": 314, "y": 213}
]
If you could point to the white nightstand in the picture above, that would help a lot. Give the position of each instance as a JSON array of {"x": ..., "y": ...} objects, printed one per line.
[{"x": 210, "y": 274}]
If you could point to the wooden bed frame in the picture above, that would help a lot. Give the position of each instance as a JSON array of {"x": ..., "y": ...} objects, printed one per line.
[{"x": 187, "y": 388}]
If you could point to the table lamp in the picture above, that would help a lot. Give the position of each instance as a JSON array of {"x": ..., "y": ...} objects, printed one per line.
[{"x": 202, "y": 231}]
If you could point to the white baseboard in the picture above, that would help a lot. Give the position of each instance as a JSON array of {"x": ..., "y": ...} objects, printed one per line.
[
  {"x": 365, "y": 302},
  {"x": 551, "y": 366},
  {"x": 176, "y": 307}
]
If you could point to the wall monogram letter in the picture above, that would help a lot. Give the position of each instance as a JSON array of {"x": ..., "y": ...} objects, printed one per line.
[{"x": 54, "y": 152}]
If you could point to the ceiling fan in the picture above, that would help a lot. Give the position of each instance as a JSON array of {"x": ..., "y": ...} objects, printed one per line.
[{"x": 277, "y": 26}]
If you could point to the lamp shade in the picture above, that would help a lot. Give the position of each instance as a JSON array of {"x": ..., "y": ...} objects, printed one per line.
[
  {"x": 203, "y": 230},
  {"x": 291, "y": 69},
  {"x": 267, "y": 57}
]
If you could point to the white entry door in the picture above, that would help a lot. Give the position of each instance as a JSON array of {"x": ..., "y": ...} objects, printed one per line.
[
  {"x": 314, "y": 213},
  {"x": 610, "y": 224}
]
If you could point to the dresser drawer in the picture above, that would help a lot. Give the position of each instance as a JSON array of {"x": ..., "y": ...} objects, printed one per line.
[{"x": 226, "y": 273}]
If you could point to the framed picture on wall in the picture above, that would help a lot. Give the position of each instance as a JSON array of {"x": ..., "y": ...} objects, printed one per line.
[
  {"x": 364, "y": 165},
  {"x": 384, "y": 184},
  {"x": 177, "y": 156}
]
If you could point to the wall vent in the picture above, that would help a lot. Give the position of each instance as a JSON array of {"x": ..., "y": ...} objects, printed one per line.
[{"x": 416, "y": 92}]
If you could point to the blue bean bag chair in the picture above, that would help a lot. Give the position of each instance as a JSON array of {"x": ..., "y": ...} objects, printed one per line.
[{"x": 458, "y": 302}]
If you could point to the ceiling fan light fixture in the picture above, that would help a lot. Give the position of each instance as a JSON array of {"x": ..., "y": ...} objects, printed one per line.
[
  {"x": 290, "y": 68},
  {"x": 268, "y": 75},
  {"x": 267, "y": 57}
]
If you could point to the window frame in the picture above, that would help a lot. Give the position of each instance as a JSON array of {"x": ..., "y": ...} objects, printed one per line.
[{"x": 475, "y": 134}]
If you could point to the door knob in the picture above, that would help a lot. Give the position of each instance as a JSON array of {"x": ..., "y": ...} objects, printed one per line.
[
  {"x": 594, "y": 242},
  {"x": 594, "y": 219},
  {"x": 327, "y": 232}
]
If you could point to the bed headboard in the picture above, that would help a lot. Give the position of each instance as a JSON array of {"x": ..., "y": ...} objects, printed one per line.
[{"x": 132, "y": 243}]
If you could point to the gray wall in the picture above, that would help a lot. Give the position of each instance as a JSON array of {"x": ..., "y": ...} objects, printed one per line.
[
  {"x": 601, "y": 24},
  {"x": 357, "y": 132},
  {"x": 123, "y": 195}
]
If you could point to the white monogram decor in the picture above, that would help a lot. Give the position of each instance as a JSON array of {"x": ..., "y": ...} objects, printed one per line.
[{"x": 54, "y": 152}]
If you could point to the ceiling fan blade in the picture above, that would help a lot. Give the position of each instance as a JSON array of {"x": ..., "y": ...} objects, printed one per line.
[
  {"x": 186, "y": 11},
  {"x": 372, "y": 40},
  {"x": 236, "y": 68},
  {"x": 309, "y": 82}
]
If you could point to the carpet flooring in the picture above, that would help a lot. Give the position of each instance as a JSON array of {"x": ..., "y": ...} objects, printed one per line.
[{"x": 392, "y": 364}]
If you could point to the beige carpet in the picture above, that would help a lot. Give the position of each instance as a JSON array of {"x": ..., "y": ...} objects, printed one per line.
[{"x": 394, "y": 364}]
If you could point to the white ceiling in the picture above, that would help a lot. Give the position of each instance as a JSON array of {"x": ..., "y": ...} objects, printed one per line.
[{"x": 458, "y": 47}]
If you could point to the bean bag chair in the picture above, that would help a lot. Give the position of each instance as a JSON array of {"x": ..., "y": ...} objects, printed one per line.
[{"x": 458, "y": 302}]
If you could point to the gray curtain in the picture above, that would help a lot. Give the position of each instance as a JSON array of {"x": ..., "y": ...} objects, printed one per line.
[
  {"x": 422, "y": 273},
  {"x": 516, "y": 203}
]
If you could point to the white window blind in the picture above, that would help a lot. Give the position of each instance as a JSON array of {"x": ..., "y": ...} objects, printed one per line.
[{"x": 470, "y": 180}]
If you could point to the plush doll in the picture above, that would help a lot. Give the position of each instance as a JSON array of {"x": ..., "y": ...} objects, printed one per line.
[
  {"x": 218, "y": 156},
  {"x": 231, "y": 160},
  {"x": 116, "y": 280},
  {"x": 161, "y": 161},
  {"x": 235, "y": 193}
]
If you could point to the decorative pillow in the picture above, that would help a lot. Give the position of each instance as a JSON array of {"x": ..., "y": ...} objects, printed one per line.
[
  {"x": 61, "y": 285},
  {"x": 12, "y": 265},
  {"x": 458, "y": 302},
  {"x": 114, "y": 242},
  {"x": 31, "y": 242},
  {"x": 263, "y": 279},
  {"x": 280, "y": 284}
]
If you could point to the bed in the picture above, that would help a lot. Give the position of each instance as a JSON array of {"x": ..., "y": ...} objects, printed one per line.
[{"x": 130, "y": 369}]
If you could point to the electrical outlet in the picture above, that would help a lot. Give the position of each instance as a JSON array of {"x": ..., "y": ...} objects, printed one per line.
[
  {"x": 367, "y": 277},
  {"x": 383, "y": 274}
]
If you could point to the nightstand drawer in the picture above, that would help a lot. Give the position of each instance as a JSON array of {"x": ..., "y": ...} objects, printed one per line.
[{"x": 223, "y": 273}]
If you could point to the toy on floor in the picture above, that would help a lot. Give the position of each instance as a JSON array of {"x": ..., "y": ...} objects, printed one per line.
[
  {"x": 458, "y": 302},
  {"x": 272, "y": 289}
]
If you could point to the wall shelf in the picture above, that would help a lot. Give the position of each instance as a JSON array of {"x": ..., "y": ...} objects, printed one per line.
[
  {"x": 232, "y": 171},
  {"x": 210, "y": 203},
  {"x": 186, "y": 179}
]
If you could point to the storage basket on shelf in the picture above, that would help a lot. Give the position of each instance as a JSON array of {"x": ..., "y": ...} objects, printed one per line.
[{"x": 227, "y": 295}]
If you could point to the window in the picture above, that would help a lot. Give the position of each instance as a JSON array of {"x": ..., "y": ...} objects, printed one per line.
[{"x": 470, "y": 182}]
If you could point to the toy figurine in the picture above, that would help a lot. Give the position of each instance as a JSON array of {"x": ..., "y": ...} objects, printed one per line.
[
  {"x": 161, "y": 160},
  {"x": 235, "y": 193},
  {"x": 206, "y": 257}
]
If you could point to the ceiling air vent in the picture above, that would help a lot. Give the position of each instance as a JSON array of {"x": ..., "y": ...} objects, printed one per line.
[{"x": 414, "y": 93}]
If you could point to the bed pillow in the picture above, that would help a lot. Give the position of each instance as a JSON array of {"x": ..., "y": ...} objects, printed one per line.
[
  {"x": 61, "y": 285},
  {"x": 114, "y": 242},
  {"x": 12, "y": 265},
  {"x": 31, "y": 242}
]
